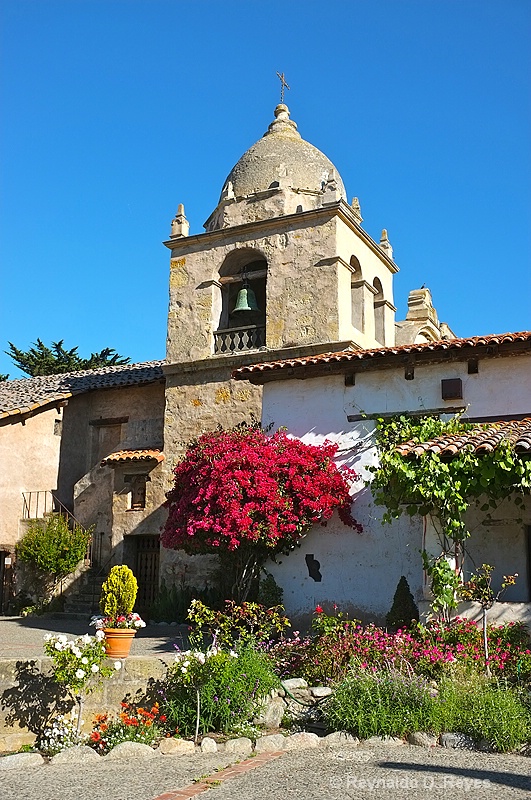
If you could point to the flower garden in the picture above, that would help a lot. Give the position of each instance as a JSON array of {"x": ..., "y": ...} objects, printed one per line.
[
  {"x": 242, "y": 676},
  {"x": 246, "y": 496}
]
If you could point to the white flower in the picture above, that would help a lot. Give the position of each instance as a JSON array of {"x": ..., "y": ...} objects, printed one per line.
[
  {"x": 85, "y": 639},
  {"x": 80, "y": 673},
  {"x": 99, "y": 635},
  {"x": 84, "y": 660},
  {"x": 200, "y": 657},
  {"x": 183, "y": 669},
  {"x": 117, "y": 665},
  {"x": 48, "y": 637},
  {"x": 233, "y": 653},
  {"x": 94, "y": 668},
  {"x": 76, "y": 651},
  {"x": 62, "y": 638},
  {"x": 58, "y": 646}
]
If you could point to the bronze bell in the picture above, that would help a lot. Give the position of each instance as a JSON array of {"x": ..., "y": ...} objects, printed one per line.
[{"x": 246, "y": 299}]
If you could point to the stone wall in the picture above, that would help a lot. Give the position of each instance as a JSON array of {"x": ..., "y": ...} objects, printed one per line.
[{"x": 28, "y": 694}]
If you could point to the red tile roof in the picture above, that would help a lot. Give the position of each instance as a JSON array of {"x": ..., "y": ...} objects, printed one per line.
[
  {"x": 132, "y": 456},
  {"x": 483, "y": 438},
  {"x": 28, "y": 394},
  {"x": 353, "y": 356}
]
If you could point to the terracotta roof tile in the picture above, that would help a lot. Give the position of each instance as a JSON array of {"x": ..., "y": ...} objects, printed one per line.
[
  {"x": 346, "y": 356},
  {"x": 28, "y": 394},
  {"x": 131, "y": 456},
  {"x": 483, "y": 438}
]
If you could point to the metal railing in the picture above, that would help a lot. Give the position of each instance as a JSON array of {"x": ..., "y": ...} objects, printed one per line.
[
  {"x": 230, "y": 340},
  {"x": 38, "y": 504}
]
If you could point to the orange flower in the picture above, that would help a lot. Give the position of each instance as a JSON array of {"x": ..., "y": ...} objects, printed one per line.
[{"x": 95, "y": 736}]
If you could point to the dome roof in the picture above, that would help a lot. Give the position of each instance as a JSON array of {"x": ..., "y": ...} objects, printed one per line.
[{"x": 282, "y": 153}]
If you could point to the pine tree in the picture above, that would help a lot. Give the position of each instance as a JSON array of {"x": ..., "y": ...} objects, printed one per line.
[{"x": 54, "y": 360}]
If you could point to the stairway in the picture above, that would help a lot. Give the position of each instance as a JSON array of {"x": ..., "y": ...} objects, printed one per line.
[{"x": 82, "y": 598}]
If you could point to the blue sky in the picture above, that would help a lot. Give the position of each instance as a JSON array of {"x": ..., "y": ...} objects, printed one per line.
[{"x": 115, "y": 111}]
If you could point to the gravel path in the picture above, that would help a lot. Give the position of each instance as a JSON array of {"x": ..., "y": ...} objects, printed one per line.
[
  {"x": 340, "y": 773},
  {"x": 21, "y": 637}
]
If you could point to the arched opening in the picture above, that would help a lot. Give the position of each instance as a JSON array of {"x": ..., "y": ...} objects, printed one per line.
[
  {"x": 379, "y": 311},
  {"x": 356, "y": 295},
  {"x": 242, "y": 311}
]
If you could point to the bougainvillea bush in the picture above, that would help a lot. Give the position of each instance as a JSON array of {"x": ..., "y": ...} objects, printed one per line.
[{"x": 253, "y": 495}]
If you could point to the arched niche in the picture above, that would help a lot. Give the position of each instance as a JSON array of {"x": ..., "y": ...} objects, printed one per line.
[
  {"x": 237, "y": 329},
  {"x": 356, "y": 295},
  {"x": 379, "y": 312}
]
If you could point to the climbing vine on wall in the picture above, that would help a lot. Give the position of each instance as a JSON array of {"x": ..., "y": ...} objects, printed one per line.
[{"x": 444, "y": 488}]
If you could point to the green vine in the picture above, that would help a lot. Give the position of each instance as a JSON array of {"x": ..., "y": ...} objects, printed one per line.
[{"x": 443, "y": 488}]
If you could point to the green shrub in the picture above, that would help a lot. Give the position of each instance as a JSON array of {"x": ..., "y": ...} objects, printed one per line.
[
  {"x": 231, "y": 688},
  {"x": 485, "y": 710},
  {"x": 404, "y": 608},
  {"x": 118, "y": 593},
  {"x": 390, "y": 703},
  {"x": 52, "y": 550},
  {"x": 172, "y": 602},
  {"x": 269, "y": 592},
  {"x": 384, "y": 703}
]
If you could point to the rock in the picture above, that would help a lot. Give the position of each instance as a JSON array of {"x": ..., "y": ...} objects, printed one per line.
[
  {"x": 176, "y": 747},
  {"x": 339, "y": 738},
  {"x": 208, "y": 745},
  {"x": 21, "y": 761},
  {"x": 456, "y": 741},
  {"x": 271, "y": 713},
  {"x": 14, "y": 741},
  {"x": 389, "y": 740},
  {"x": 130, "y": 750},
  {"x": 320, "y": 691},
  {"x": 79, "y": 754},
  {"x": 272, "y": 743},
  {"x": 241, "y": 746},
  {"x": 294, "y": 683},
  {"x": 301, "y": 741},
  {"x": 422, "y": 739}
]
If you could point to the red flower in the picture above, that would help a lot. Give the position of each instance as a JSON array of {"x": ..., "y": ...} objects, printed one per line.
[
  {"x": 318, "y": 610},
  {"x": 239, "y": 486},
  {"x": 95, "y": 736}
]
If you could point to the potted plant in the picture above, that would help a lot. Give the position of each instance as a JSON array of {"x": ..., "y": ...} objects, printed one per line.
[{"x": 118, "y": 622}]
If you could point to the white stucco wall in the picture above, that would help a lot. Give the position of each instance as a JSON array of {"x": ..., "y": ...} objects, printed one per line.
[{"x": 360, "y": 571}]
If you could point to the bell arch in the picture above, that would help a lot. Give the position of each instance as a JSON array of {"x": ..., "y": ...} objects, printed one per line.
[
  {"x": 241, "y": 310},
  {"x": 379, "y": 312},
  {"x": 357, "y": 311}
]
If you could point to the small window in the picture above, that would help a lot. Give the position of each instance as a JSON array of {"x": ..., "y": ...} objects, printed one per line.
[
  {"x": 58, "y": 427},
  {"x": 137, "y": 489}
]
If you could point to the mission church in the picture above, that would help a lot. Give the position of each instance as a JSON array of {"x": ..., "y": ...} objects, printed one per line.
[{"x": 284, "y": 274}]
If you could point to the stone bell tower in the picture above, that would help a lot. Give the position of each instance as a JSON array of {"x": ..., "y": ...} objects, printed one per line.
[{"x": 283, "y": 269}]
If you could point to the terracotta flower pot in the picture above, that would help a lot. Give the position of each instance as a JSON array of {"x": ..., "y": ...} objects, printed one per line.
[{"x": 118, "y": 641}]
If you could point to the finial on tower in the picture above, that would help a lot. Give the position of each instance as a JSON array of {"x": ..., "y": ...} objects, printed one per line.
[
  {"x": 283, "y": 85},
  {"x": 385, "y": 244},
  {"x": 356, "y": 209},
  {"x": 179, "y": 225}
]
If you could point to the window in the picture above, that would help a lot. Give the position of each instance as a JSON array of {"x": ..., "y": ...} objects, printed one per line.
[{"x": 137, "y": 490}]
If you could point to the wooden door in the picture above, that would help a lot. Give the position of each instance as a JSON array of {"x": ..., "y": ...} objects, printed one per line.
[{"x": 147, "y": 571}]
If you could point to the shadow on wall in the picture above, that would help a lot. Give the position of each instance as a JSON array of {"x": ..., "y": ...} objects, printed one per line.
[{"x": 34, "y": 699}]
